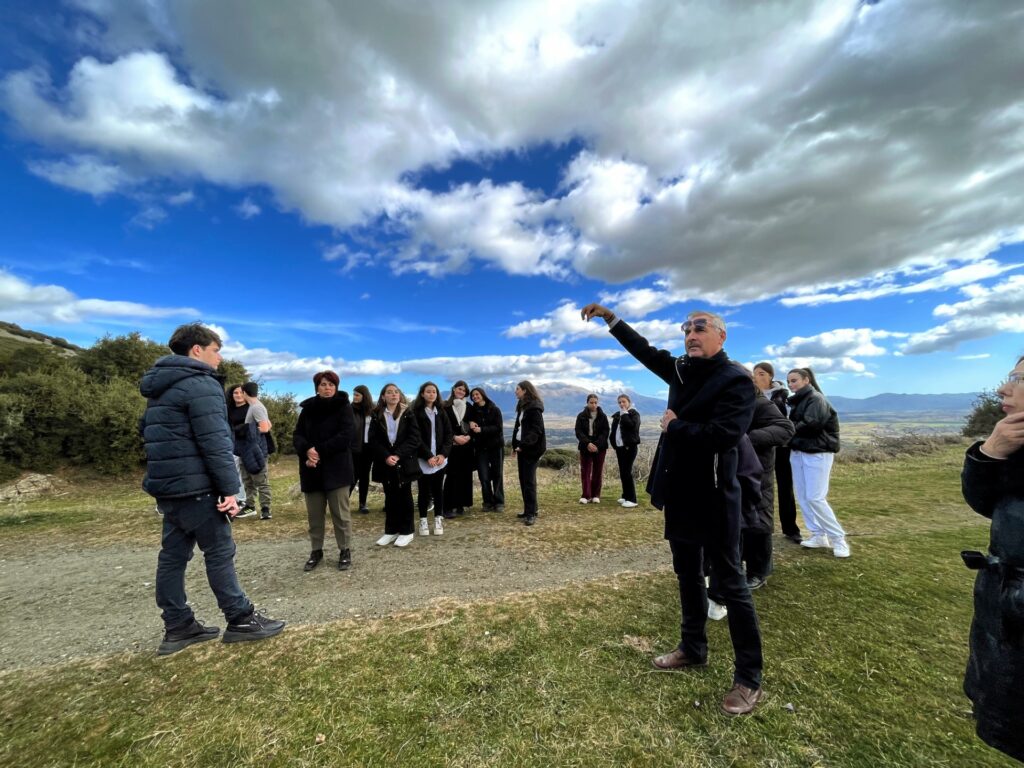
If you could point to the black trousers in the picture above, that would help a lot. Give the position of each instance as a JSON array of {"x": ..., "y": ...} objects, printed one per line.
[
  {"x": 398, "y": 511},
  {"x": 721, "y": 548},
  {"x": 362, "y": 462},
  {"x": 784, "y": 493},
  {"x": 626, "y": 455},
  {"x": 757, "y": 552},
  {"x": 430, "y": 487},
  {"x": 527, "y": 466},
  {"x": 490, "y": 463}
]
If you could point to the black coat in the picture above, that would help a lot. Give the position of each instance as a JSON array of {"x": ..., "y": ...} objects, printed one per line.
[
  {"x": 443, "y": 433},
  {"x": 995, "y": 667},
  {"x": 251, "y": 448},
  {"x": 530, "y": 437},
  {"x": 601, "y": 430},
  {"x": 492, "y": 429},
  {"x": 406, "y": 447},
  {"x": 693, "y": 475},
  {"x": 629, "y": 424},
  {"x": 816, "y": 422},
  {"x": 327, "y": 424},
  {"x": 768, "y": 430}
]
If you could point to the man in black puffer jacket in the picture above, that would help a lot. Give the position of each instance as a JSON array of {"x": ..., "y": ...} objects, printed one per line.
[{"x": 190, "y": 469}]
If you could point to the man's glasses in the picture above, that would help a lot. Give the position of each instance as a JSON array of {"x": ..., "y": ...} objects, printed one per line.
[
  {"x": 1013, "y": 378},
  {"x": 700, "y": 324}
]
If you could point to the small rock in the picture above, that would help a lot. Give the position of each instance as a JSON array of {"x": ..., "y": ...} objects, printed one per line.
[{"x": 320, "y": 738}]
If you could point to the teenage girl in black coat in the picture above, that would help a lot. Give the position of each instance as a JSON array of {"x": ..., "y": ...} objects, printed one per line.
[
  {"x": 435, "y": 445},
  {"x": 458, "y": 482},
  {"x": 395, "y": 441},
  {"x": 362, "y": 455},
  {"x": 528, "y": 443},
  {"x": 625, "y": 439}
]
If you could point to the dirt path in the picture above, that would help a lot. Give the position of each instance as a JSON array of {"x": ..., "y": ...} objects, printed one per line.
[{"x": 69, "y": 603}]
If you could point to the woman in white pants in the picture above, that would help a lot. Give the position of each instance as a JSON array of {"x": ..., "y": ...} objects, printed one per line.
[{"x": 812, "y": 449}]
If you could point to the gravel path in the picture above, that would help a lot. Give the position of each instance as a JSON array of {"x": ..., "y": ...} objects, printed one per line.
[{"x": 71, "y": 603}]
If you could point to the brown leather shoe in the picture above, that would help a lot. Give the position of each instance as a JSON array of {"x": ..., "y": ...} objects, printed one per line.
[
  {"x": 677, "y": 660},
  {"x": 741, "y": 700}
]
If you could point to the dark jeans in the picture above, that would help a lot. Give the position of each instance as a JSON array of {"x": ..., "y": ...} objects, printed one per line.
[
  {"x": 626, "y": 455},
  {"x": 398, "y": 512},
  {"x": 721, "y": 548},
  {"x": 591, "y": 473},
  {"x": 490, "y": 463},
  {"x": 757, "y": 552},
  {"x": 362, "y": 462},
  {"x": 784, "y": 493},
  {"x": 187, "y": 522},
  {"x": 527, "y": 466},
  {"x": 430, "y": 487}
]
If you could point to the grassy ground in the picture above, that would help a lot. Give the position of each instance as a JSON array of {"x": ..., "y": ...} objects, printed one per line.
[{"x": 864, "y": 661}]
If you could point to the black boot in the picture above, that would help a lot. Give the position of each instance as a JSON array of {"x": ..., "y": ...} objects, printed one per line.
[
  {"x": 345, "y": 560},
  {"x": 314, "y": 559},
  {"x": 265, "y": 513}
]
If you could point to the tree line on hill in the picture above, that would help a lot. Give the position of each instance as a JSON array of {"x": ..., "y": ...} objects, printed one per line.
[{"x": 83, "y": 408}]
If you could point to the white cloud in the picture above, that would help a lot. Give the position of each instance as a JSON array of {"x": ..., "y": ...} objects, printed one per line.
[
  {"x": 83, "y": 173},
  {"x": 870, "y": 139},
  {"x": 982, "y": 356},
  {"x": 23, "y": 302},
  {"x": 182, "y": 198},
  {"x": 247, "y": 209},
  {"x": 564, "y": 324},
  {"x": 833, "y": 351}
]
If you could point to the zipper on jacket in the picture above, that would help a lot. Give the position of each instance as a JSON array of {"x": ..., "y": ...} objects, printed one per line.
[{"x": 716, "y": 470}]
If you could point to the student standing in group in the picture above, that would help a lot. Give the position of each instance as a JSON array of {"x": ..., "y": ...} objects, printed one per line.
[
  {"x": 237, "y": 408},
  {"x": 528, "y": 444},
  {"x": 362, "y": 456},
  {"x": 395, "y": 440},
  {"x": 434, "y": 446},
  {"x": 258, "y": 482},
  {"x": 458, "y": 481},
  {"x": 812, "y": 450},
  {"x": 485, "y": 424},
  {"x": 592, "y": 437},
  {"x": 625, "y": 439},
  {"x": 764, "y": 377},
  {"x": 323, "y": 443}
]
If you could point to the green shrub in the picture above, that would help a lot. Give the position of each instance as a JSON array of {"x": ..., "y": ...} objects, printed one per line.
[
  {"x": 987, "y": 411},
  {"x": 558, "y": 458},
  {"x": 283, "y": 411}
]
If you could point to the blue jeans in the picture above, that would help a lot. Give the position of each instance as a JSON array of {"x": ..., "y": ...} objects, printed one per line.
[{"x": 187, "y": 522}]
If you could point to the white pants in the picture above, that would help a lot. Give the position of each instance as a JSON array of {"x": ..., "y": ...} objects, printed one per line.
[
  {"x": 240, "y": 496},
  {"x": 810, "y": 483}
]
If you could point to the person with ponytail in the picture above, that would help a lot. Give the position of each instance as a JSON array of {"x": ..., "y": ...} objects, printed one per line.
[
  {"x": 528, "y": 444},
  {"x": 812, "y": 450}
]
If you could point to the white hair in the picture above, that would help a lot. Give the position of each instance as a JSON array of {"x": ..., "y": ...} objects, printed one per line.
[{"x": 716, "y": 319}]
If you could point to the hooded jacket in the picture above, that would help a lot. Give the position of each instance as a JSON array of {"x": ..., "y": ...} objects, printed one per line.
[
  {"x": 188, "y": 441},
  {"x": 327, "y": 424},
  {"x": 601, "y": 430},
  {"x": 995, "y": 667},
  {"x": 816, "y": 422}
]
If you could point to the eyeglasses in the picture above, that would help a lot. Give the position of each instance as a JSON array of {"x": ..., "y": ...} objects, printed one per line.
[
  {"x": 1012, "y": 379},
  {"x": 699, "y": 324}
]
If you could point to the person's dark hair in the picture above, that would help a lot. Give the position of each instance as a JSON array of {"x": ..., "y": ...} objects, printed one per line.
[
  {"x": 251, "y": 388},
  {"x": 807, "y": 373},
  {"x": 362, "y": 409},
  {"x": 531, "y": 395},
  {"x": 187, "y": 336},
  {"x": 483, "y": 394},
  {"x": 229, "y": 392},
  {"x": 592, "y": 395},
  {"x": 331, "y": 376},
  {"x": 383, "y": 406},
  {"x": 623, "y": 394},
  {"x": 767, "y": 368},
  {"x": 419, "y": 403},
  {"x": 459, "y": 383}
]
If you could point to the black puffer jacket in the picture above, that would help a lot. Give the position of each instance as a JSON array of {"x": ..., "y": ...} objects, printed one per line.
[
  {"x": 406, "y": 447},
  {"x": 189, "y": 445},
  {"x": 816, "y": 422},
  {"x": 601, "y": 430},
  {"x": 768, "y": 431},
  {"x": 327, "y": 424},
  {"x": 628, "y": 426},
  {"x": 995, "y": 668},
  {"x": 530, "y": 436}
]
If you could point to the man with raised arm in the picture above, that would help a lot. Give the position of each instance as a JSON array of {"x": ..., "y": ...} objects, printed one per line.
[
  {"x": 190, "y": 469},
  {"x": 693, "y": 479}
]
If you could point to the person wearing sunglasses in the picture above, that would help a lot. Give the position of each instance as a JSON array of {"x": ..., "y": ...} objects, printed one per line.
[
  {"x": 693, "y": 479},
  {"x": 993, "y": 486}
]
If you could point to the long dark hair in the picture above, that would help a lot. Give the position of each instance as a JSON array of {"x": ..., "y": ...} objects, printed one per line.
[
  {"x": 483, "y": 394},
  {"x": 807, "y": 373},
  {"x": 363, "y": 408},
  {"x": 419, "y": 403},
  {"x": 459, "y": 383},
  {"x": 228, "y": 396},
  {"x": 382, "y": 406},
  {"x": 530, "y": 395}
]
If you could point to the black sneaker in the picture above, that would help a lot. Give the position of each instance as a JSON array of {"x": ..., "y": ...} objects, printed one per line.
[
  {"x": 255, "y": 626},
  {"x": 265, "y": 514},
  {"x": 364, "y": 510},
  {"x": 182, "y": 637},
  {"x": 314, "y": 559},
  {"x": 345, "y": 560},
  {"x": 756, "y": 582},
  {"x": 530, "y": 519},
  {"x": 499, "y": 507}
]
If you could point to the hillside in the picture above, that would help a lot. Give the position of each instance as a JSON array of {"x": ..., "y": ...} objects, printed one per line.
[{"x": 13, "y": 335}]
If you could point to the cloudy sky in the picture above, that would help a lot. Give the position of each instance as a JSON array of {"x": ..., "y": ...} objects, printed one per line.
[{"x": 431, "y": 189}]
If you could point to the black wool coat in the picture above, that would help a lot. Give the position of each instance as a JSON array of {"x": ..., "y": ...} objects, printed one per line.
[
  {"x": 530, "y": 437},
  {"x": 442, "y": 429},
  {"x": 693, "y": 475},
  {"x": 492, "y": 429},
  {"x": 601, "y": 430},
  {"x": 995, "y": 667},
  {"x": 327, "y": 424},
  {"x": 628, "y": 426},
  {"x": 768, "y": 431},
  {"x": 406, "y": 447},
  {"x": 816, "y": 422}
]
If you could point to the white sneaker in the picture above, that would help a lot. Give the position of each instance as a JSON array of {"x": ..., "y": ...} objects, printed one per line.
[
  {"x": 629, "y": 504},
  {"x": 716, "y": 612},
  {"x": 438, "y": 525},
  {"x": 619, "y": 501},
  {"x": 584, "y": 500},
  {"x": 404, "y": 540},
  {"x": 595, "y": 500},
  {"x": 817, "y": 541},
  {"x": 840, "y": 548},
  {"x": 387, "y": 538},
  {"x": 424, "y": 527}
]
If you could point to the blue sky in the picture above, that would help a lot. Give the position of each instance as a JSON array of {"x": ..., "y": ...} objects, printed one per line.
[{"x": 405, "y": 191}]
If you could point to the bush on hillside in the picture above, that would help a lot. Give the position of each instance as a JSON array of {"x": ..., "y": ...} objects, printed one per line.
[
  {"x": 283, "y": 411},
  {"x": 889, "y": 447},
  {"x": 126, "y": 357},
  {"x": 983, "y": 418}
]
